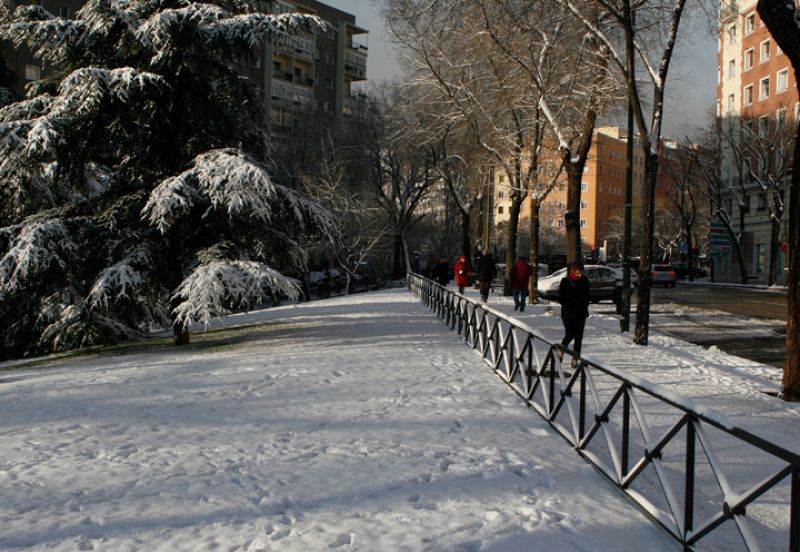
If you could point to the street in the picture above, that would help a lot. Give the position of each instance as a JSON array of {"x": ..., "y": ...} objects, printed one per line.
[{"x": 756, "y": 329}]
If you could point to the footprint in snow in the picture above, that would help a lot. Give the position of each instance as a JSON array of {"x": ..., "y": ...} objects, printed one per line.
[{"x": 343, "y": 539}]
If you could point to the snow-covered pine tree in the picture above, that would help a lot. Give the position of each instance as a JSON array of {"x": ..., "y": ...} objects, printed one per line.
[{"x": 135, "y": 186}]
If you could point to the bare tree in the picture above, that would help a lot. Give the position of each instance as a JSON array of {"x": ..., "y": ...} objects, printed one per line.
[
  {"x": 357, "y": 228},
  {"x": 402, "y": 173},
  {"x": 644, "y": 30},
  {"x": 781, "y": 19}
]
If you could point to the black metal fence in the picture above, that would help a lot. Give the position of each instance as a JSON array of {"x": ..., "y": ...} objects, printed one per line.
[{"x": 708, "y": 483}]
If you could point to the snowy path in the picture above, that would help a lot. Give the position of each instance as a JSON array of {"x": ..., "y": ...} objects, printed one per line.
[{"x": 378, "y": 431}]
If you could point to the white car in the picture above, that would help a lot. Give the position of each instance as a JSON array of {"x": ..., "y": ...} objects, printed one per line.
[{"x": 602, "y": 282}]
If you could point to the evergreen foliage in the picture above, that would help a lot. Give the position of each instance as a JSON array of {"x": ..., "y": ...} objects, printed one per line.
[{"x": 135, "y": 187}]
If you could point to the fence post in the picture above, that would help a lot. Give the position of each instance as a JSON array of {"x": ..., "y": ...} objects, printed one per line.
[
  {"x": 688, "y": 513},
  {"x": 794, "y": 512},
  {"x": 626, "y": 424}
]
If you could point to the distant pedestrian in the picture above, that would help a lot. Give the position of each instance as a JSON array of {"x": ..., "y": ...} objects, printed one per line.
[
  {"x": 521, "y": 273},
  {"x": 573, "y": 294},
  {"x": 463, "y": 273},
  {"x": 487, "y": 271},
  {"x": 415, "y": 264},
  {"x": 441, "y": 271}
]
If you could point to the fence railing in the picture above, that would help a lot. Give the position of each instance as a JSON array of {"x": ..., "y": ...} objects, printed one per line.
[{"x": 641, "y": 436}]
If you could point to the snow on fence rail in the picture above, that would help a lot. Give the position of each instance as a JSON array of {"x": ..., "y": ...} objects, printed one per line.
[{"x": 687, "y": 467}]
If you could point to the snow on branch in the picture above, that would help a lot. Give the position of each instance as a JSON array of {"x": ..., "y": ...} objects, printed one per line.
[
  {"x": 210, "y": 287},
  {"x": 38, "y": 247},
  {"x": 120, "y": 280},
  {"x": 47, "y": 36},
  {"x": 231, "y": 183},
  {"x": 84, "y": 89}
]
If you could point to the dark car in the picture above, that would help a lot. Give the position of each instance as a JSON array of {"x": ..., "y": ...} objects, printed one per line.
[
  {"x": 663, "y": 275},
  {"x": 682, "y": 270}
]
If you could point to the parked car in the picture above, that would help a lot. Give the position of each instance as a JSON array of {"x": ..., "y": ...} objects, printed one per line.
[
  {"x": 602, "y": 281},
  {"x": 634, "y": 276},
  {"x": 663, "y": 275},
  {"x": 682, "y": 270}
]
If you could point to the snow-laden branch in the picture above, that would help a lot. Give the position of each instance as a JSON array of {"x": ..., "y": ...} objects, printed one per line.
[
  {"x": 120, "y": 280},
  {"x": 206, "y": 291},
  {"x": 226, "y": 178},
  {"x": 38, "y": 247}
]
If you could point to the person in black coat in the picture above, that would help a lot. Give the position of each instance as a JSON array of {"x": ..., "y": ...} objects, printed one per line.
[
  {"x": 573, "y": 294},
  {"x": 441, "y": 271},
  {"x": 487, "y": 271}
]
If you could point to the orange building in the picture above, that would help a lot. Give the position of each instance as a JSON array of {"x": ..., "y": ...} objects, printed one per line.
[{"x": 602, "y": 196}]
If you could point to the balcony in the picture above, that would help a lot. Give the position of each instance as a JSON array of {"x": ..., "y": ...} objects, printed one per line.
[
  {"x": 355, "y": 62},
  {"x": 296, "y": 46},
  {"x": 728, "y": 9},
  {"x": 293, "y": 93}
]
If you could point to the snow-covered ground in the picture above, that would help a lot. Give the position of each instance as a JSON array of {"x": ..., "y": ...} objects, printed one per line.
[{"x": 355, "y": 423}]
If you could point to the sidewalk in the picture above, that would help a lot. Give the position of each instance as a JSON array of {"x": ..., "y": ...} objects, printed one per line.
[{"x": 356, "y": 423}]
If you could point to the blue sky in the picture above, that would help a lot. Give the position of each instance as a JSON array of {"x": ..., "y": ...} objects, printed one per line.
[{"x": 692, "y": 80}]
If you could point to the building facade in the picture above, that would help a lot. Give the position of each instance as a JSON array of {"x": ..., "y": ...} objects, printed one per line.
[
  {"x": 296, "y": 75},
  {"x": 602, "y": 198},
  {"x": 757, "y": 99}
]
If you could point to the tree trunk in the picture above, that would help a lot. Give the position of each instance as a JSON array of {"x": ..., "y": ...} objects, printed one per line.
[
  {"x": 533, "y": 290},
  {"x": 642, "y": 330},
  {"x": 572, "y": 217},
  {"x": 179, "y": 331},
  {"x": 398, "y": 257},
  {"x": 511, "y": 241},
  {"x": 791, "y": 370},
  {"x": 465, "y": 241},
  {"x": 774, "y": 249},
  {"x": 689, "y": 254}
]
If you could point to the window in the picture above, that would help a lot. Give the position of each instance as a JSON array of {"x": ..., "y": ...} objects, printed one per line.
[
  {"x": 731, "y": 68},
  {"x": 329, "y": 57},
  {"x": 732, "y": 33},
  {"x": 761, "y": 203},
  {"x": 731, "y": 102},
  {"x": 763, "y": 126},
  {"x": 499, "y": 210},
  {"x": 749, "y": 24},
  {"x": 326, "y": 107},
  {"x": 766, "y": 51},
  {"x": 747, "y": 61},
  {"x": 583, "y": 223},
  {"x": 763, "y": 88},
  {"x": 747, "y": 99},
  {"x": 329, "y": 84},
  {"x": 747, "y": 131},
  {"x": 584, "y": 204},
  {"x": 502, "y": 178},
  {"x": 561, "y": 187},
  {"x": 782, "y": 117},
  {"x": 63, "y": 11},
  {"x": 796, "y": 112},
  {"x": 33, "y": 72},
  {"x": 782, "y": 82},
  {"x": 584, "y": 186},
  {"x": 760, "y": 258},
  {"x": 561, "y": 223},
  {"x": 500, "y": 194},
  {"x": 746, "y": 203}
]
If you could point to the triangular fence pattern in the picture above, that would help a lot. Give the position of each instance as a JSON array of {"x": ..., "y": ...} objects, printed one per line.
[{"x": 706, "y": 482}]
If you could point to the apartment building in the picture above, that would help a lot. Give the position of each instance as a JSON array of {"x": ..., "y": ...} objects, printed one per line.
[
  {"x": 756, "y": 95},
  {"x": 297, "y": 75},
  {"x": 602, "y": 197}
]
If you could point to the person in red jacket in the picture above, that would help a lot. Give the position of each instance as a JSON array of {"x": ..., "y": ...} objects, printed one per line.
[
  {"x": 463, "y": 273},
  {"x": 521, "y": 273}
]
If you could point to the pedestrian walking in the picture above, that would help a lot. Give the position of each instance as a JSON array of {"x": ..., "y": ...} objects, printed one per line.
[
  {"x": 573, "y": 294},
  {"x": 487, "y": 271},
  {"x": 521, "y": 273},
  {"x": 441, "y": 271},
  {"x": 463, "y": 273}
]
